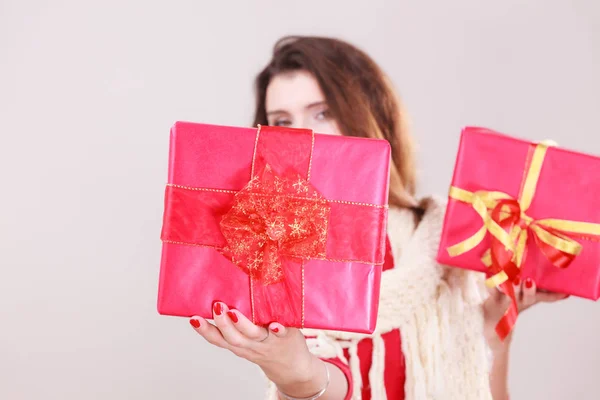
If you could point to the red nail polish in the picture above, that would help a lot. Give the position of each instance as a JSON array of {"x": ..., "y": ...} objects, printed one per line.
[
  {"x": 218, "y": 308},
  {"x": 517, "y": 281},
  {"x": 233, "y": 316},
  {"x": 195, "y": 323},
  {"x": 528, "y": 283},
  {"x": 275, "y": 329}
]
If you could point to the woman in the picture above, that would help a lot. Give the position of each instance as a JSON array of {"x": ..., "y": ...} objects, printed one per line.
[{"x": 435, "y": 335}]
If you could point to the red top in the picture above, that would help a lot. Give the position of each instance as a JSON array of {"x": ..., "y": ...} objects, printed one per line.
[{"x": 395, "y": 367}]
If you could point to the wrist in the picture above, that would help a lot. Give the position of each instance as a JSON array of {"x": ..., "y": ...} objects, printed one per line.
[
  {"x": 306, "y": 380},
  {"x": 500, "y": 352},
  {"x": 499, "y": 370},
  {"x": 496, "y": 345}
]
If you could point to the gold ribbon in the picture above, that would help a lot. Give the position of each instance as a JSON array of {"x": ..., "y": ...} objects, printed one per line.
[{"x": 557, "y": 233}]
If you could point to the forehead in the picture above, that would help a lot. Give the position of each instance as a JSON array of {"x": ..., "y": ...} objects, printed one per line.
[{"x": 292, "y": 91}]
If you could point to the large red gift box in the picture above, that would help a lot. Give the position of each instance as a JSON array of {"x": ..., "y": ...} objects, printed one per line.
[
  {"x": 282, "y": 224},
  {"x": 522, "y": 210}
]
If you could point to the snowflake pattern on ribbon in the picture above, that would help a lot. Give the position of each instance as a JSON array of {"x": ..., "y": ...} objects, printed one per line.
[{"x": 274, "y": 218}]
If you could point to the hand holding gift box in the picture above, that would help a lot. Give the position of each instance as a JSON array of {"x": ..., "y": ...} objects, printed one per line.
[
  {"x": 283, "y": 224},
  {"x": 518, "y": 209}
]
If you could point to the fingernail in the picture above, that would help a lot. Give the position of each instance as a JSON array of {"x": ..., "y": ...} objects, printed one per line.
[
  {"x": 528, "y": 283},
  {"x": 195, "y": 323},
  {"x": 233, "y": 316},
  {"x": 275, "y": 329},
  {"x": 218, "y": 308},
  {"x": 517, "y": 281}
]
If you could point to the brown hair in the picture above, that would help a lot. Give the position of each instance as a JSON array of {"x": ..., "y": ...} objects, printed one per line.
[{"x": 359, "y": 95}]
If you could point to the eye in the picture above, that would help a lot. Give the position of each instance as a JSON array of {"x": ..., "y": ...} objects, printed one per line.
[
  {"x": 323, "y": 115},
  {"x": 282, "y": 122}
]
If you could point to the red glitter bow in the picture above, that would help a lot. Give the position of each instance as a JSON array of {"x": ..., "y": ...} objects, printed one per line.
[{"x": 274, "y": 218}]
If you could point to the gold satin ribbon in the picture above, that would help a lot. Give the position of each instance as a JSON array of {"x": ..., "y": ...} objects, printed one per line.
[{"x": 515, "y": 241}]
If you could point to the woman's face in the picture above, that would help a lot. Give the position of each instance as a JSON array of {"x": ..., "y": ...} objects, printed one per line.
[{"x": 294, "y": 99}]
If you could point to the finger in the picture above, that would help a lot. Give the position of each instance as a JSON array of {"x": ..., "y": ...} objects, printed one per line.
[
  {"x": 246, "y": 327},
  {"x": 208, "y": 332},
  {"x": 518, "y": 286},
  {"x": 496, "y": 293},
  {"x": 547, "y": 297},
  {"x": 529, "y": 293},
  {"x": 213, "y": 336},
  {"x": 230, "y": 333}
]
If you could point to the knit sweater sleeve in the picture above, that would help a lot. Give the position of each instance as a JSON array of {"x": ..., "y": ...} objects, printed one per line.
[
  {"x": 460, "y": 301},
  {"x": 460, "y": 297},
  {"x": 447, "y": 356}
]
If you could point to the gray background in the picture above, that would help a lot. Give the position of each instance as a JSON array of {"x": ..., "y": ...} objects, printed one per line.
[{"x": 88, "y": 93}]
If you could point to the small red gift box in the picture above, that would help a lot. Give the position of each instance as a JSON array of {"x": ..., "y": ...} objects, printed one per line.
[
  {"x": 520, "y": 209},
  {"x": 282, "y": 224}
]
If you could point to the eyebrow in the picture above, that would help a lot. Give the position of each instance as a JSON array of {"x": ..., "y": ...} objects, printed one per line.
[
  {"x": 311, "y": 105},
  {"x": 318, "y": 103},
  {"x": 276, "y": 112}
]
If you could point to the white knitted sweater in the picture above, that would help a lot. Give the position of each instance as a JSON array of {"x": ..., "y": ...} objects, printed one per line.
[{"x": 438, "y": 312}]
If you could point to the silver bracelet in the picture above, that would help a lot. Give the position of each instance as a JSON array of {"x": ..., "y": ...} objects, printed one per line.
[{"x": 313, "y": 397}]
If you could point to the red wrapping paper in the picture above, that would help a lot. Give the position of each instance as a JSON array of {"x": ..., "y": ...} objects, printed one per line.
[
  {"x": 567, "y": 189},
  {"x": 206, "y": 200}
]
